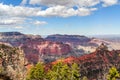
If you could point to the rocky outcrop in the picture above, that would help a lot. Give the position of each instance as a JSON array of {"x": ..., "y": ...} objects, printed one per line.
[
  {"x": 12, "y": 63},
  {"x": 96, "y": 65}
]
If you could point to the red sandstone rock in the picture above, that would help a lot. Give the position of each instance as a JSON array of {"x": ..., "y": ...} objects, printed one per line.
[
  {"x": 97, "y": 62},
  {"x": 36, "y": 48}
]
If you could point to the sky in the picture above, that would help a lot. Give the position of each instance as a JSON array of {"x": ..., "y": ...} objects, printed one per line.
[{"x": 45, "y": 17}]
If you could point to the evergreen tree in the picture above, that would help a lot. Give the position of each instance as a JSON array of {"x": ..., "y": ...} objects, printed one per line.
[
  {"x": 75, "y": 72},
  {"x": 62, "y": 71},
  {"x": 113, "y": 74},
  {"x": 59, "y": 71},
  {"x": 37, "y": 72},
  {"x": 84, "y": 78}
]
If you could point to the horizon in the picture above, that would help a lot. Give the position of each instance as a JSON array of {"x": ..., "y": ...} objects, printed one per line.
[
  {"x": 97, "y": 36},
  {"x": 44, "y": 17}
]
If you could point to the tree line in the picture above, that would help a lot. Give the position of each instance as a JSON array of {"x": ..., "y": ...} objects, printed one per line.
[{"x": 62, "y": 71}]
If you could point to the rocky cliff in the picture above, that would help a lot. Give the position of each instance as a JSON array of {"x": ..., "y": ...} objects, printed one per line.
[
  {"x": 72, "y": 39},
  {"x": 35, "y": 47},
  {"x": 36, "y": 50},
  {"x": 80, "y": 44},
  {"x": 12, "y": 63},
  {"x": 95, "y": 65}
]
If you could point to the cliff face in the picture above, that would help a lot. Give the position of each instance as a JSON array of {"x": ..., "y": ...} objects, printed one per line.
[
  {"x": 12, "y": 63},
  {"x": 82, "y": 44},
  {"x": 96, "y": 64},
  {"x": 36, "y": 50},
  {"x": 16, "y": 38},
  {"x": 34, "y": 46},
  {"x": 73, "y": 39}
]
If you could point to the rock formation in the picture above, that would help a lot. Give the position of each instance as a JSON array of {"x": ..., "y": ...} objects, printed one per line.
[
  {"x": 12, "y": 63},
  {"x": 95, "y": 65},
  {"x": 34, "y": 46},
  {"x": 72, "y": 39}
]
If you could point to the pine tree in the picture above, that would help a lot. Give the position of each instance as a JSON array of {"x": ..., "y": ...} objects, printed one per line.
[
  {"x": 62, "y": 71},
  {"x": 59, "y": 71},
  {"x": 75, "y": 72},
  {"x": 113, "y": 74},
  {"x": 37, "y": 72},
  {"x": 84, "y": 78},
  {"x": 55, "y": 72}
]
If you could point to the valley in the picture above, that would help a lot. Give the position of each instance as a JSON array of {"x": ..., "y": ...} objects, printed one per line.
[{"x": 95, "y": 56}]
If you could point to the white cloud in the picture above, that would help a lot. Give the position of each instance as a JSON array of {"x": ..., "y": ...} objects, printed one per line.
[
  {"x": 71, "y": 3},
  {"x": 11, "y": 20},
  {"x": 62, "y": 11},
  {"x": 64, "y": 8},
  {"x": 24, "y": 2},
  {"x": 109, "y": 2},
  {"x": 85, "y": 11},
  {"x": 65, "y": 2},
  {"x": 17, "y": 10},
  {"x": 18, "y": 27},
  {"x": 39, "y": 23},
  {"x": 14, "y": 16},
  {"x": 57, "y": 11},
  {"x": 53, "y": 2},
  {"x": 61, "y": 8}
]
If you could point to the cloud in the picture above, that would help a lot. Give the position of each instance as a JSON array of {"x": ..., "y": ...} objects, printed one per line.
[
  {"x": 11, "y": 15},
  {"x": 53, "y": 2},
  {"x": 109, "y": 2},
  {"x": 11, "y": 21},
  {"x": 39, "y": 23},
  {"x": 68, "y": 3},
  {"x": 24, "y": 2},
  {"x": 61, "y": 11},
  {"x": 17, "y": 16},
  {"x": 72, "y": 3},
  {"x": 9, "y": 10},
  {"x": 61, "y": 8},
  {"x": 18, "y": 27},
  {"x": 65, "y": 8},
  {"x": 85, "y": 11}
]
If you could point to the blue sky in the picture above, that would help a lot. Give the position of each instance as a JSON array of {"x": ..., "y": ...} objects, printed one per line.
[{"x": 45, "y": 17}]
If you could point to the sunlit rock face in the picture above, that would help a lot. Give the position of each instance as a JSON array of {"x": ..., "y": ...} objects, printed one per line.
[{"x": 12, "y": 63}]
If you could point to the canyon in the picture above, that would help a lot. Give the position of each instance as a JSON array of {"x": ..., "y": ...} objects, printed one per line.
[
  {"x": 94, "y": 56},
  {"x": 95, "y": 65}
]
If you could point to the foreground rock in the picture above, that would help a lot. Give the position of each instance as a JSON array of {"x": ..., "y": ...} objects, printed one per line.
[{"x": 12, "y": 63}]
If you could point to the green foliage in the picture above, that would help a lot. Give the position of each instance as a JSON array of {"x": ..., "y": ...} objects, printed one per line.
[
  {"x": 113, "y": 74},
  {"x": 75, "y": 71},
  {"x": 62, "y": 71},
  {"x": 1, "y": 69},
  {"x": 58, "y": 71},
  {"x": 84, "y": 78},
  {"x": 37, "y": 72}
]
